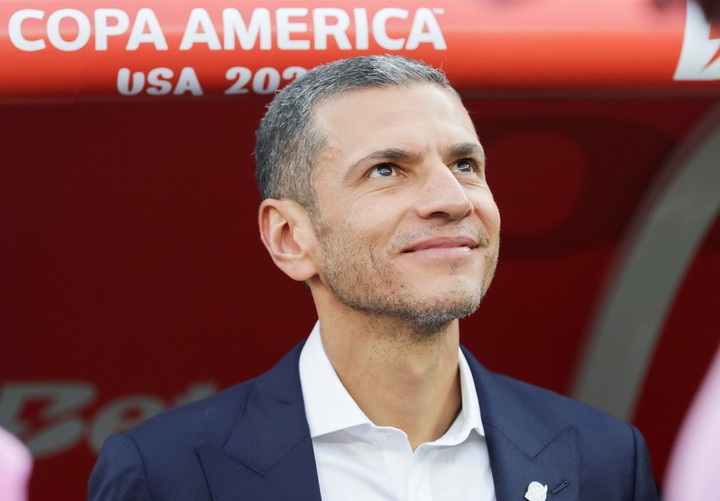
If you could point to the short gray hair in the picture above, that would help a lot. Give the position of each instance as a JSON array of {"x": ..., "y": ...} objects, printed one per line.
[{"x": 288, "y": 140}]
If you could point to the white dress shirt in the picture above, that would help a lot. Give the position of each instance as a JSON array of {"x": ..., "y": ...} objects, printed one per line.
[{"x": 357, "y": 460}]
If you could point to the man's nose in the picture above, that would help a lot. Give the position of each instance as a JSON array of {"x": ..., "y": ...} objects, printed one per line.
[{"x": 442, "y": 195}]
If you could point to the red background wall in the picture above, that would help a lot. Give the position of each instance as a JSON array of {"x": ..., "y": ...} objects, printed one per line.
[{"x": 132, "y": 272}]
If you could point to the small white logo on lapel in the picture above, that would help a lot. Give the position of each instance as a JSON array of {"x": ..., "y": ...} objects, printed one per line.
[{"x": 536, "y": 492}]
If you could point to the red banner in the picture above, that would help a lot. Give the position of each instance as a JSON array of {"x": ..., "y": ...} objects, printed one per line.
[{"x": 189, "y": 48}]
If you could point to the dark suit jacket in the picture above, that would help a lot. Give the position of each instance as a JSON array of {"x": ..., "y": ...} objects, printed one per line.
[{"x": 252, "y": 442}]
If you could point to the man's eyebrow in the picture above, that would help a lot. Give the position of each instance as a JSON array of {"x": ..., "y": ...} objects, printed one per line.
[
  {"x": 403, "y": 156},
  {"x": 386, "y": 155},
  {"x": 467, "y": 150}
]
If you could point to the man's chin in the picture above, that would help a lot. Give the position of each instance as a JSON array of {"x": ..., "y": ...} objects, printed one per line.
[{"x": 434, "y": 316}]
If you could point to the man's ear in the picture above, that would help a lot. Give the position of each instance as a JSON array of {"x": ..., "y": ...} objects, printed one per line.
[{"x": 289, "y": 237}]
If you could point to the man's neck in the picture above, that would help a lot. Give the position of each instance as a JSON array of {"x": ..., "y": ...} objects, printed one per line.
[{"x": 396, "y": 376}]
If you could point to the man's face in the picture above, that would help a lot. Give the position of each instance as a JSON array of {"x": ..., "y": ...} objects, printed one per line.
[{"x": 406, "y": 222}]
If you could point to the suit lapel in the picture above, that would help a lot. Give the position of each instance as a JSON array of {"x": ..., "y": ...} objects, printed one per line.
[
  {"x": 514, "y": 467},
  {"x": 522, "y": 448},
  {"x": 268, "y": 454}
]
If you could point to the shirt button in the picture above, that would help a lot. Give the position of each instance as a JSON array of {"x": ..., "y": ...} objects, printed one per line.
[{"x": 379, "y": 436}]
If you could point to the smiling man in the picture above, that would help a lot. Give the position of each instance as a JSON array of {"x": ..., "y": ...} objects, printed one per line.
[{"x": 375, "y": 196}]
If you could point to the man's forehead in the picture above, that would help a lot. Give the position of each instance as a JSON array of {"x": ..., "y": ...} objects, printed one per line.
[{"x": 385, "y": 107}]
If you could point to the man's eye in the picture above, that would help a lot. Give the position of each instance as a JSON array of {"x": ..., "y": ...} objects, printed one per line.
[
  {"x": 464, "y": 165},
  {"x": 383, "y": 170}
]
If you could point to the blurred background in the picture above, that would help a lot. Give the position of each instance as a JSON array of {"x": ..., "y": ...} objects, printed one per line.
[{"x": 132, "y": 277}]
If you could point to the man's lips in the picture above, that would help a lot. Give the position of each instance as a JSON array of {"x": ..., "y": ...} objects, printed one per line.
[{"x": 454, "y": 242}]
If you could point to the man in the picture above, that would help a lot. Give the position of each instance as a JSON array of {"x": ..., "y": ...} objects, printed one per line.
[{"x": 373, "y": 180}]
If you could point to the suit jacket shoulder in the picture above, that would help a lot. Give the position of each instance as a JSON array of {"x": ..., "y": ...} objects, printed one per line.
[
  {"x": 579, "y": 452},
  {"x": 242, "y": 443}
]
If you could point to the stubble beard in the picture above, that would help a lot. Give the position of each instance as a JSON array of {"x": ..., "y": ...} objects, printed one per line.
[{"x": 368, "y": 283}]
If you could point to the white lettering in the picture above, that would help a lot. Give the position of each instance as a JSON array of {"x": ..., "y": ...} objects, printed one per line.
[
  {"x": 293, "y": 29},
  {"x": 124, "y": 86},
  {"x": 61, "y": 425},
  {"x": 15, "y": 30},
  {"x": 48, "y": 416},
  {"x": 234, "y": 28},
  {"x": 362, "y": 35},
  {"x": 292, "y": 72},
  {"x": 188, "y": 82},
  {"x": 200, "y": 29},
  {"x": 84, "y": 30},
  {"x": 379, "y": 28},
  {"x": 159, "y": 81},
  {"x": 146, "y": 20},
  {"x": 425, "y": 28},
  {"x": 241, "y": 77},
  {"x": 266, "y": 81},
  {"x": 338, "y": 30},
  {"x": 103, "y": 29},
  {"x": 285, "y": 29}
]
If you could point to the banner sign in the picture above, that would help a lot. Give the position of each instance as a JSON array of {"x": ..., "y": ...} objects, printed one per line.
[{"x": 187, "y": 48}]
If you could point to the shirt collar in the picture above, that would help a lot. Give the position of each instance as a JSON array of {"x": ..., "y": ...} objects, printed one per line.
[
  {"x": 328, "y": 405},
  {"x": 469, "y": 418},
  {"x": 330, "y": 408}
]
